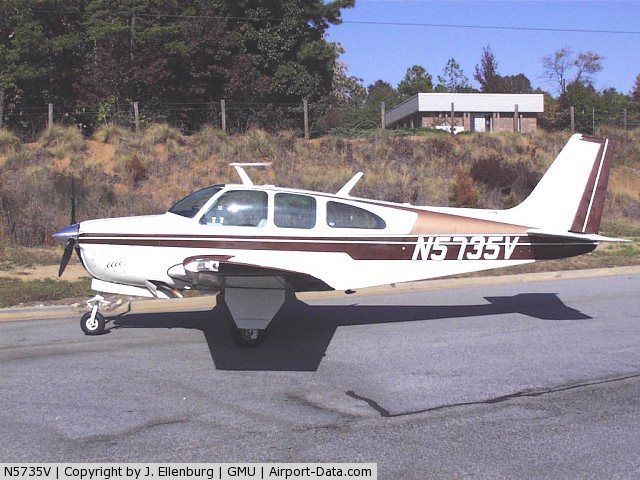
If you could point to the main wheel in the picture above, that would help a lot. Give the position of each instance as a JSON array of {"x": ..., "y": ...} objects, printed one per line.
[
  {"x": 93, "y": 326},
  {"x": 247, "y": 337}
]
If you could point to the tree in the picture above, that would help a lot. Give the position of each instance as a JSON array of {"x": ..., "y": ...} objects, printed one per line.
[
  {"x": 585, "y": 100},
  {"x": 381, "y": 91},
  {"x": 101, "y": 53},
  {"x": 486, "y": 73},
  {"x": 453, "y": 78},
  {"x": 346, "y": 88},
  {"x": 40, "y": 56},
  {"x": 365, "y": 109},
  {"x": 515, "y": 84},
  {"x": 559, "y": 65},
  {"x": 635, "y": 93},
  {"x": 587, "y": 64},
  {"x": 416, "y": 80}
]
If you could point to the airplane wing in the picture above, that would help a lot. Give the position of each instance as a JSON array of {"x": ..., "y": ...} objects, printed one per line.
[{"x": 222, "y": 271}]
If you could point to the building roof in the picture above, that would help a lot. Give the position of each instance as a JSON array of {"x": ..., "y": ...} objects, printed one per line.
[{"x": 467, "y": 103}]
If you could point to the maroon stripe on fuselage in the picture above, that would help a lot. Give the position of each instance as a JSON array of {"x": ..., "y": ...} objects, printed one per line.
[{"x": 523, "y": 247}]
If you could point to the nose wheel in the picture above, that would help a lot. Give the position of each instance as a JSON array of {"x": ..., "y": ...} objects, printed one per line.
[{"x": 93, "y": 322}]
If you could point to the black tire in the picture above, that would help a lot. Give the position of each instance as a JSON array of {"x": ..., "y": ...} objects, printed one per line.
[
  {"x": 247, "y": 338},
  {"x": 95, "y": 327}
]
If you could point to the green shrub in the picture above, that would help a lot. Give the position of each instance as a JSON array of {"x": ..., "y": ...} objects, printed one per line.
[
  {"x": 20, "y": 158},
  {"x": 8, "y": 141},
  {"x": 110, "y": 133},
  {"x": 68, "y": 140},
  {"x": 162, "y": 133}
]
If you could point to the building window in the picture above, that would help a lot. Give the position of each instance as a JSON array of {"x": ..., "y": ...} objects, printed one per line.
[
  {"x": 294, "y": 211},
  {"x": 238, "y": 208},
  {"x": 341, "y": 215}
]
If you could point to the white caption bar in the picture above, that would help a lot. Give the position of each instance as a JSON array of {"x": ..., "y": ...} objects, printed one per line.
[{"x": 198, "y": 471}]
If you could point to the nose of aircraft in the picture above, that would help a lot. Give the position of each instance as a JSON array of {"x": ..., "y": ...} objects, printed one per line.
[{"x": 68, "y": 233}]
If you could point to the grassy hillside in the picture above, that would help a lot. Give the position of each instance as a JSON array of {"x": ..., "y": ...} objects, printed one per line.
[{"x": 120, "y": 173}]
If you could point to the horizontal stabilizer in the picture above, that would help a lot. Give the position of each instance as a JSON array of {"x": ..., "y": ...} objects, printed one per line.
[{"x": 577, "y": 236}]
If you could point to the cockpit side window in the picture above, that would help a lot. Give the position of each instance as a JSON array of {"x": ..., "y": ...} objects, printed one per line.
[
  {"x": 294, "y": 211},
  {"x": 342, "y": 215},
  {"x": 191, "y": 204},
  {"x": 238, "y": 208}
]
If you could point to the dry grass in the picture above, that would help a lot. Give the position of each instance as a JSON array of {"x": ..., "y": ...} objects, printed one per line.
[{"x": 121, "y": 173}]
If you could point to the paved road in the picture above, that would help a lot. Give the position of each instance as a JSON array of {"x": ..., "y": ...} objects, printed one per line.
[{"x": 531, "y": 380}]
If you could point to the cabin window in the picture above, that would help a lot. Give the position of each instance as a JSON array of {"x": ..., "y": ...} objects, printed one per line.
[
  {"x": 341, "y": 215},
  {"x": 190, "y": 205},
  {"x": 238, "y": 208},
  {"x": 294, "y": 211}
]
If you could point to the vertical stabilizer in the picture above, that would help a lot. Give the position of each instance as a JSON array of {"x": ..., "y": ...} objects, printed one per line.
[{"x": 571, "y": 195}]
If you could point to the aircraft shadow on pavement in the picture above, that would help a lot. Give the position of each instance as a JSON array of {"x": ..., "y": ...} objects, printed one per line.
[{"x": 300, "y": 334}]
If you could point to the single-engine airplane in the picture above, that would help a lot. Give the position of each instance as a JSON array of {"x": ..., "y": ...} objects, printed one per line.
[{"x": 257, "y": 243}]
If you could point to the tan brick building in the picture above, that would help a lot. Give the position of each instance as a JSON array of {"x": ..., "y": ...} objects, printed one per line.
[{"x": 475, "y": 112}]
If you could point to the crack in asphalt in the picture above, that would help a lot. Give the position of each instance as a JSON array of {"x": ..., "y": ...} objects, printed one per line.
[
  {"x": 503, "y": 398},
  {"x": 133, "y": 430}
]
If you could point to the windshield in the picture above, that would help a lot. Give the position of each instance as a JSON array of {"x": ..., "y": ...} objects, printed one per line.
[{"x": 190, "y": 205}]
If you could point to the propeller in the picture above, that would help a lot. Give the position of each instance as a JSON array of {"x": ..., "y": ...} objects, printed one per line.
[
  {"x": 69, "y": 234},
  {"x": 73, "y": 200},
  {"x": 66, "y": 256}
]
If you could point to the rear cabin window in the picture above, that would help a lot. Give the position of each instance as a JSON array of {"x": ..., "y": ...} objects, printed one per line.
[
  {"x": 294, "y": 211},
  {"x": 238, "y": 208},
  {"x": 341, "y": 215}
]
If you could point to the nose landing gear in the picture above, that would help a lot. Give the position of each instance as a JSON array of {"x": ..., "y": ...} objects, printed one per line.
[{"x": 93, "y": 322}]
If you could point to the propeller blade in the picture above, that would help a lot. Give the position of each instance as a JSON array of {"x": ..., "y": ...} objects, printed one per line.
[
  {"x": 66, "y": 256},
  {"x": 73, "y": 200},
  {"x": 77, "y": 249}
]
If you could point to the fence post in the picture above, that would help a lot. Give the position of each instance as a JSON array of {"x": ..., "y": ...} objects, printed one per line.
[
  {"x": 50, "y": 120},
  {"x": 1, "y": 107},
  {"x": 516, "y": 118},
  {"x": 305, "y": 107},
  {"x": 593, "y": 120},
  {"x": 453, "y": 123},
  {"x": 383, "y": 116},
  {"x": 624, "y": 118},
  {"x": 572, "y": 115},
  {"x": 223, "y": 114},
  {"x": 136, "y": 116}
]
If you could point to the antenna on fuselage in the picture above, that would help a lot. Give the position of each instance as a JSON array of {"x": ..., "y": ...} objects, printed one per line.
[
  {"x": 346, "y": 189},
  {"x": 242, "y": 172}
]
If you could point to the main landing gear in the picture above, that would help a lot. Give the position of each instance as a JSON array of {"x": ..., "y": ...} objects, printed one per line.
[
  {"x": 247, "y": 337},
  {"x": 252, "y": 310},
  {"x": 93, "y": 322}
]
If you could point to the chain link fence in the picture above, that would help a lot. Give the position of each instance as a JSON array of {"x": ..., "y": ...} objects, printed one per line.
[{"x": 235, "y": 116}]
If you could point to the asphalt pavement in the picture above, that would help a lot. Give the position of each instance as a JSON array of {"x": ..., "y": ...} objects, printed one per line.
[{"x": 525, "y": 380}]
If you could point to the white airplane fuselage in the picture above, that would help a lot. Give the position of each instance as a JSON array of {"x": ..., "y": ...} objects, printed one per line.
[{"x": 134, "y": 250}]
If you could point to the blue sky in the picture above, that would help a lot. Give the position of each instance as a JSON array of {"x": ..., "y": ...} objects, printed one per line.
[{"x": 385, "y": 52}]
